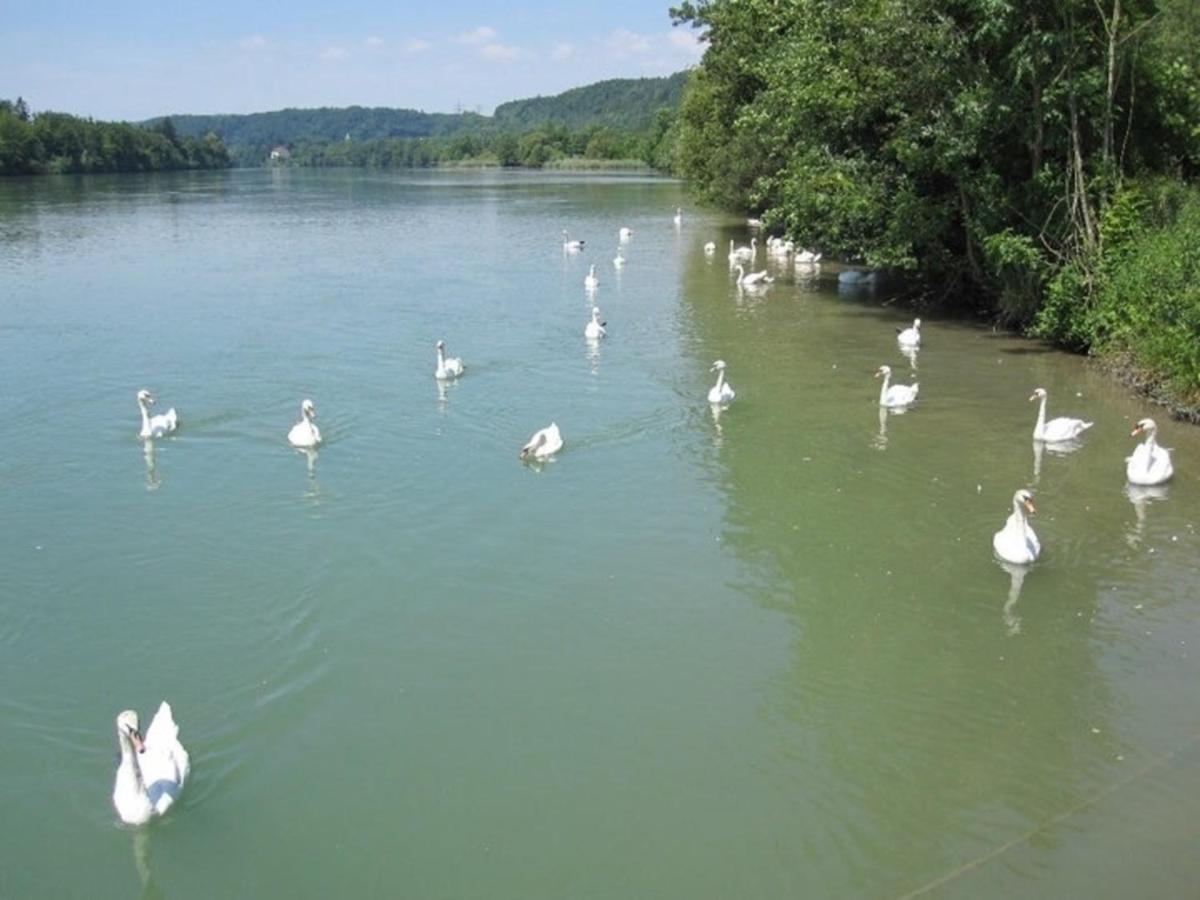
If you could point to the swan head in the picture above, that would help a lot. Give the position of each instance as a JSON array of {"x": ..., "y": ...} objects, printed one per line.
[
  {"x": 536, "y": 441},
  {"x": 128, "y": 731},
  {"x": 1038, "y": 394},
  {"x": 1024, "y": 498},
  {"x": 145, "y": 398},
  {"x": 1145, "y": 426},
  {"x": 916, "y": 324},
  {"x": 718, "y": 366},
  {"x": 883, "y": 370},
  {"x": 595, "y": 313},
  {"x": 308, "y": 410},
  {"x": 441, "y": 345}
]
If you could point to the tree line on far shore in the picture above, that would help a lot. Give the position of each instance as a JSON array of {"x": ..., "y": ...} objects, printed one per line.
[{"x": 57, "y": 143}]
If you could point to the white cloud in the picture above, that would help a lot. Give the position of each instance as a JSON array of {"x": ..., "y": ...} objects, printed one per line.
[
  {"x": 482, "y": 35},
  {"x": 562, "y": 50},
  {"x": 500, "y": 52},
  {"x": 254, "y": 42},
  {"x": 331, "y": 54},
  {"x": 686, "y": 42},
  {"x": 374, "y": 41},
  {"x": 416, "y": 45},
  {"x": 624, "y": 42}
]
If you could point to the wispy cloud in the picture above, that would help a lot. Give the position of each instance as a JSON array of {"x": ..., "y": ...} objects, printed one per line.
[
  {"x": 374, "y": 42},
  {"x": 253, "y": 42},
  {"x": 332, "y": 54},
  {"x": 561, "y": 51},
  {"x": 687, "y": 43},
  {"x": 484, "y": 34},
  {"x": 624, "y": 42},
  {"x": 500, "y": 52},
  {"x": 416, "y": 45}
]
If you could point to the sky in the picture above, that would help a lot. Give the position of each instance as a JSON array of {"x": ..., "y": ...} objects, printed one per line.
[{"x": 135, "y": 60}]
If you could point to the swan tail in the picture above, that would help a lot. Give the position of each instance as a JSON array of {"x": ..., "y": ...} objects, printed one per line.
[{"x": 1084, "y": 426}]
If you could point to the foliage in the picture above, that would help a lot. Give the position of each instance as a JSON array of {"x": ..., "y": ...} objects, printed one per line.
[
  {"x": 57, "y": 143},
  {"x": 623, "y": 104}
]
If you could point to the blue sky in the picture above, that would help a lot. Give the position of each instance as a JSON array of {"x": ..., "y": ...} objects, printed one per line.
[{"x": 134, "y": 60}]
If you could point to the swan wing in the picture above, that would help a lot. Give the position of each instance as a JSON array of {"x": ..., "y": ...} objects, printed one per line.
[{"x": 165, "y": 763}]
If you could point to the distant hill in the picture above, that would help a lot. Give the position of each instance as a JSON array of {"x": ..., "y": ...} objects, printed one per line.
[
  {"x": 625, "y": 103},
  {"x": 628, "y": 104}
]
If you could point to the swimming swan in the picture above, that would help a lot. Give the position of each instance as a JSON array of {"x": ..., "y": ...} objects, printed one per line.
[
  {"x": 570, "y": 246},
  {"x": 1016, "y": 542},
  {"x": 722, "y": 391},
  {"x": 678, "y": 216},
  {"x": 305, "y": 432},
  {"x": 624, "y": 234},
  {"x": 911, "y": 336},
  {"x": 619, "y": 260},
  {"x": 1056, "y": 430},
  {"x": 543, "y": 444},
  {"x": 152, "y": 770},
  {"x": 590, "y": 281},
  {"x": 447, "y": 367},
  {"x": 155, "y": 426},
  {"x": 1150, "y": 464},
  {"x": 897, "y": 394},
  {"x": 594, "y": 330},
  {"x": 710, "y": 248},
  {"x": 753, "y": 279}
]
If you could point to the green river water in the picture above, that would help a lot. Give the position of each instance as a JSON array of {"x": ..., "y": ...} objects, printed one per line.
[{"x": 763, "y": 653}]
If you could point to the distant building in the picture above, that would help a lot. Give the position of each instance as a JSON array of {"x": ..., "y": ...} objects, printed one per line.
[{"x": 280, "y": 154}]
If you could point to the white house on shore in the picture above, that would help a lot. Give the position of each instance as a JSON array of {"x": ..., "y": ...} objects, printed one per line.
[{"x": 280, "y": 154}]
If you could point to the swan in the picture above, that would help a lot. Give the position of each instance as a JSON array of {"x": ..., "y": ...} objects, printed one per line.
[
  {"x": 155, "y": 426},
  {"x": 305, "y": 433},
  {"x": 911, "y": 336},
  {"x": 753, "y": 279},
  {"x": 594, "y": 330},
  {"x": 591, "y": 282},
  {"x": 619, "y": 260},
  {"x": 710, "y": 248},
  {"x": 678, "y": 216},
  {"x": 152, "y": 770},
  {"x": 543, "y": 444},
  {"x": 1016, "y": 542},
  {"x": 807, "y": 258},
  {"x": 1150, "y": 464},
  {"x": 897, "y": 394},
  {"x": 447, "y": 368},
  {"x": 721, "y": 392},
  {"x": 744, "y": 252},
  {"x": 754, "y": 223},
  {"x": 1056, "y": 430},
  {"x": 571, "y": 246},
  {"x": 624, "y": 234}
]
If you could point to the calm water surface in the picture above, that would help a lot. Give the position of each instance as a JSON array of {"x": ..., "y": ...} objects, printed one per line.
[{"x": 765, "y": 654}]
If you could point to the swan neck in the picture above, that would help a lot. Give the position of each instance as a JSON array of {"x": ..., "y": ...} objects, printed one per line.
[
  {"x": 441, "y": 358},
  {"x": 1019, "y": 516},
  {"x": 1041, "y": 419},
  {"x": 129, "y": 764},
  {"x": 720, "y": 380},
  {"x": 887, "y": 377}
]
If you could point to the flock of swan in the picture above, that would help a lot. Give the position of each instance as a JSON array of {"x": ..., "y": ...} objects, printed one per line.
[{"x": 153, "y": 768}]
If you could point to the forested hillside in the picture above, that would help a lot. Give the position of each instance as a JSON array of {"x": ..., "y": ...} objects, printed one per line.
[
  {"x": 52, "y": 142},
  {"x": 628, "y": 104},
  {"x": 1020, "y": 159}
]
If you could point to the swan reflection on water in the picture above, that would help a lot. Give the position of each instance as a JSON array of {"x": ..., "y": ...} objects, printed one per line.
[
  {"x": 880, "y": 441},
  {"x": 1012, "y": 622},
  {"x": 152, "y": 480},
  {"x": 718, "y": 433},
  {"x": 1054, "y": 448},
  {"x": 141, "y": 863},
  {"x": 593, "y": 354},
  {"x": 313, "y": 490},
  {"x": 910, "y": 353},
  {"x": 1141, "y": 496}
]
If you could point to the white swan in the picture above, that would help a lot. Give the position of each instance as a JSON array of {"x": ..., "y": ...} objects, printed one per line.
[
  {"x": 722, "y": 391},
  {"x": 911, "y": 336},
  {"x": 619, "y": 260},
  {"x": 624, "y": 234},
  {"x": 743, "y": 252},
  {"x": 305, "y": 432},
  {"x": 569, "y": 245},
  {"x": 447, "y": 367},
  {"x": 897, "y": 394},
  {"x": 1016, "y": 542},
  {"x": 752, "y": 279},
  {"x": 678, "y": 216},
  {"x": 590, "y": 281},
  {"x": 152, "y": 770},
  {"x": 1056, "y": 430},
  {"x": 1150, "y": 464},
  {"x": 594, "y": 330},
  {"x": 155, "y": 426},
  {"x": 807, "y": 258},
  {"x": 543, "y": 444},
  {"x": 710, "y": 248},
  {"x": 754, "y": 223}
]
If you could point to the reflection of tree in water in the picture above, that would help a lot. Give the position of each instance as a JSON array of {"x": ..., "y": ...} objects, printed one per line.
[{"x": 914, "y": 729}]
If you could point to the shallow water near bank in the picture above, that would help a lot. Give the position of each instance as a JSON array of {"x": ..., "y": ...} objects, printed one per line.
[{"x": 763, "y": 652}]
